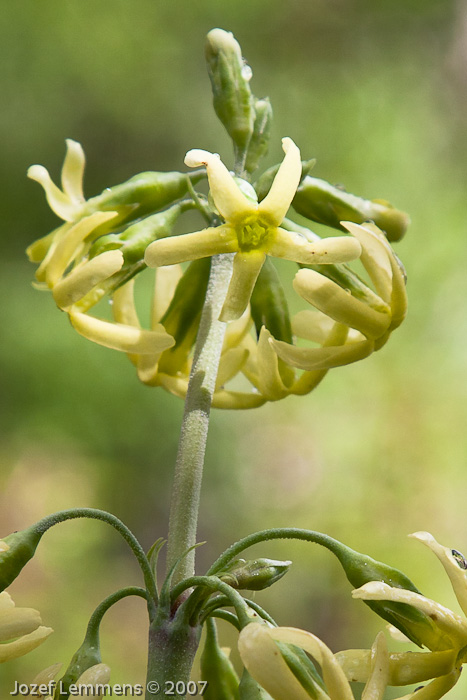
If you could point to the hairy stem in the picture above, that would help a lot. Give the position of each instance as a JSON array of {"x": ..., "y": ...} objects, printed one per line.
[{"x": 192, "y": 445}]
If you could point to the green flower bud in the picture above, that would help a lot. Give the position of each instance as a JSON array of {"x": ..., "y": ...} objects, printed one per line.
[
  {"x": 361, "y": 569},
  {"x": 259, "y": 142},
  {"x": 134, "y": 240},
  {"x": 140, "y": 195},
  {"x": 254, "y": 574},
  {"x": 230, "y": 81},
  {"x": 269, "y": 308},
  {"x": 319, "y": 201},
  {"x": 217, "y": 669},
  {"x": 87, "y": 656},
  {"x": 15, "y": 552},
  {"x": 181, "y": 320}
]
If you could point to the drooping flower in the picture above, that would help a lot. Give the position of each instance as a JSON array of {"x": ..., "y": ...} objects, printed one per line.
[
  {"x": 261, "y": 654},
  {"x": 251, "y": 230},
  {"x": 21, "y": 629},
  {"x": 452, "y": 628}
]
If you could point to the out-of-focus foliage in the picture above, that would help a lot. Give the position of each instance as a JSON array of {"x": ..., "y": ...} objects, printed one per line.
[{"x": 377, "y": 93}]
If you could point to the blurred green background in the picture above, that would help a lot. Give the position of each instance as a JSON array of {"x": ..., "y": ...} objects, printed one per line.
[{"x": 377, "y": 92}]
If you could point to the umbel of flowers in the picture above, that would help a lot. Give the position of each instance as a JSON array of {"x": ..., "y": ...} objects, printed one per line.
[{"x": 107, "y": 240}]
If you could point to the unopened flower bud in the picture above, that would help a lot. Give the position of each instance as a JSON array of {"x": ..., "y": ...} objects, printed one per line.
[
  {"x": 15, "y": 552},
  {"x": 255, "y": 574},
  {"x": 230, "y": 80},
  {"x": 319, "y": 201},
  {"x": 217, "y": 669},
  {"x": 259, "y": 142}
]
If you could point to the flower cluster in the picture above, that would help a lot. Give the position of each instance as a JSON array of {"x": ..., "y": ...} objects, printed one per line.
[{"x": 95, "y": 253}]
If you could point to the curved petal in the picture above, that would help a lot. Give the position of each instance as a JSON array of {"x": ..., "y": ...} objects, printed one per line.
[
  {"x": 6, "y": 601},
  {"x": 375, "y": 257},
  {"x": 121, "y": 337},
  {"x": 237, "y": 400},
  {"x": 454, "y": 564},
  {"x": 448, "y": 622},
  {"x": 191, "y": 246},
  {"x": 334, "y": 678},
  {"x": 69, "y": 244},
  {"x": 331, "y": 299},
  {"x": 24, "y": 645},
  {"x": 97, "y": 674},
  {"x": 84, "y": 277},
  {"x": 270, "y": 381},
  {"x": 230, "y": 202},
  {"x": 73, "y": 171},
  {"x": 405, "y": 668},
  {"x": 246, "y": 269},
  {"x": 279, "y": 198},
  {"x": 436, "y": 689},
  {"x": 16, "y": 622},
  {"x": 230, "y": 365},
  {"x": 322, "y": 358},
  {"x": 379, "y": 670},
  {"x": 167, "y": 278},
  {"x": 263, "y": 660},
  {"x": 59, "y": 202},
  {"x": 292, "y": 246}
]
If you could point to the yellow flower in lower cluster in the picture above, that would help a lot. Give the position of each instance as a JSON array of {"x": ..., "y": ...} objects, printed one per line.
[
  {"x": 452, "y": 628},
  {"x": 21, "y": 629},
  {"x": 251, "y": 230},
  {"x": 261, "y": 655}
]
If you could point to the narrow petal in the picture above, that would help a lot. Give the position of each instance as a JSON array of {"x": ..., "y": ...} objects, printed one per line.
[
  {"x": 237, "y": 400},
  {"x": 310, "y": 379},
  {"x": 165, "y": 285},
  {"x": 191, "y": 246},
  {"x": 454, "y": 626},
  {"x": 124, "y": 312},
  {"x": 375, "y": 257},
  {"x": 454, "y": 564},
  {"x": 263, "y": 660},
  {"x": 292, "y": 246},
  {"x": 17, "y": 622},
  {"x": 436, "y": 689},
  {"x": 73, "y": 171},
  {"x": 322, "y": 358},
  {"x": 70, "y": 243},
  {"x": 230, "y": 365},
  {"x": 331, "y": 299},
  {"x": 37, "y": 251},
  {"x": 59, "y": 202},
  {"x": 270, "y": 380},
  {"x": 84, "y": 277},
  {"x": 121, "y": 337},
  {"x": 277, "y": 202},
  {"x": 246, "y": 269},
  {"x": 316, "y": 326},
  {"x": 379, "y": 670},
  {"x": 176, "y": 385},
  {"x": 228, "y": 198},
  {"x": 24, "y": 645},
  {"x": 334, "y": 678},
  {"x": 399, "y": 294},
  {"x": 404, "y": 668}
]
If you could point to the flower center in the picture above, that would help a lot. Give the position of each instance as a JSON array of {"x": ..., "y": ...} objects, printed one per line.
[{"x": 253, "y": 234}]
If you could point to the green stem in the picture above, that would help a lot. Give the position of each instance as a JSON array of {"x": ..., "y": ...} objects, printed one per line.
[
  {"x": 192, "y": 446},
  {"x": 95, "y": 514}
]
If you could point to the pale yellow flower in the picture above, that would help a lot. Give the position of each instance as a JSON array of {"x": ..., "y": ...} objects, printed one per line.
[
  {"x": 251, "y": 230},
  {"x": 262, "y": 658},
  {"x": 67, "y": 202},
  {"x": 21, "y": 629},
  {"x": 452, "y": 627}
]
